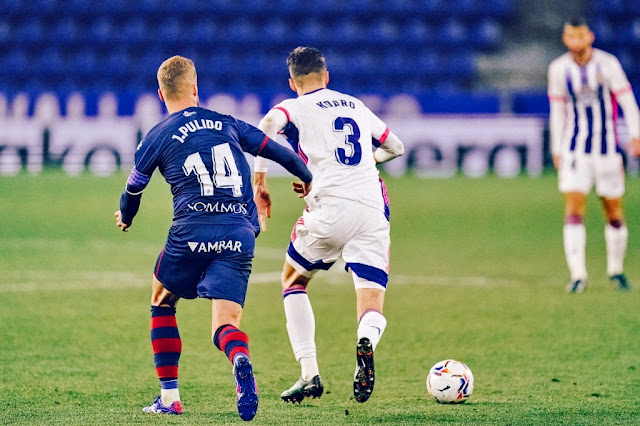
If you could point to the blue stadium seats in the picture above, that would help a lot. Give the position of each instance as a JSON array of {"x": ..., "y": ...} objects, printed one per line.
[
  {"x": 535, "y": 102},
  {"x": 459, "y": 102},
  {"x": 487, "y": 34},
  {"x": 16, "y": 62},
  {"x": 385, "y": 31},
  {"x": 453, "y": 32},
  {"x": 417, "y": 32},
  {"x": 208, "y": 30},
  {"x": 407, "y": 45},
  {"x": 102, "y": 31},
  {"x": 66, "y": 31},
  {"x": 603, "y": 31},
  {"x": 134, "y": 31},
  {"x": 31, "y": 31},
  {"x": 5, "y": 31}
]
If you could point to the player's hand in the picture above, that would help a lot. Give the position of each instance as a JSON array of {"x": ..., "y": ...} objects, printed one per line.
[
  {"x": 556, "y": 161},
  {"x": 301, "y": 188},
  {"x": 634, "y": 147},
  {"x": 262, "y": 199},
  {"x": 119, "y": 223}
]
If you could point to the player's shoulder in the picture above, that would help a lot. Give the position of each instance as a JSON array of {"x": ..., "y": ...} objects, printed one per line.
[
  {"x": 560, "y": 62},
  {"x": 606, "y": 57}
]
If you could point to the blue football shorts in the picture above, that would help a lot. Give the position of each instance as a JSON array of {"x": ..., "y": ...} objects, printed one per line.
[{"x": 209, "y": 261}]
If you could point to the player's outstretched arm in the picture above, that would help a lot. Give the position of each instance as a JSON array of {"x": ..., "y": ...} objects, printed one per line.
[
  {"x": 391, "y": 148},
  {"x": 262, "y": 198},
  {"x": 287, "y": 159},
  {"x": 130, "y": 199}
]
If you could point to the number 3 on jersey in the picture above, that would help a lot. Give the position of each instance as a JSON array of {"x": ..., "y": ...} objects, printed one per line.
[
  {"x": 351, "y": 131},
  {"x": 225, "y": 170}
]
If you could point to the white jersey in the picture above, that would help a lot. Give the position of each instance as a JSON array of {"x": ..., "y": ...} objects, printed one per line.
[
  {"x": 333, "y": 132},
  {"x": 589, "y": 94}
]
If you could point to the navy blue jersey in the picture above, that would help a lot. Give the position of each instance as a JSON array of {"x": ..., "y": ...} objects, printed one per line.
[{"x": 200, "y": 154}]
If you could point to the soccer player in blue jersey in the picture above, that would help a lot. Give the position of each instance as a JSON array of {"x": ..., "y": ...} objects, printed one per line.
[
  {"x": 210, "y": 246},
  {"x": 586, "y": 85}
]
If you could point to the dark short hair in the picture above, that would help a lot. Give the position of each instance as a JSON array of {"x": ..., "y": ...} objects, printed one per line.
[
  {"x": 304, "y": 60},
  {"x": 576, "y": 21}
]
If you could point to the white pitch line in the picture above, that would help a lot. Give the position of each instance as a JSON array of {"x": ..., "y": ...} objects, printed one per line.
[{"x": 41, "y": 280}]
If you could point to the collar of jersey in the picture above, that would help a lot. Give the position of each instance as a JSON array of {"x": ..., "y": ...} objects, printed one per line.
[{"x": 317, "y": 90}]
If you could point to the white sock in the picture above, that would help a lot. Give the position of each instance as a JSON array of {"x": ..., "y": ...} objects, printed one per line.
[
  {"x": 372, "y": 325},
  {"x": 301, "y": 326},
  {"x": 169, "y": 396},
  {"x": 616, "y": 240},
  {"x": 575, "y": 241}
]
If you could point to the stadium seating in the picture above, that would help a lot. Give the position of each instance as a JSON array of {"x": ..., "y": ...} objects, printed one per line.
[
  {"x": 240, "y": 46},
  {"x": 616, "y": 24}
]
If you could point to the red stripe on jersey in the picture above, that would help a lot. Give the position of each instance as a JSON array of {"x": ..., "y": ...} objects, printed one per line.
[
  {"x": 384, "y": 136},
  {"x": 622, "y": 91},
  {"x": 264, "y": 143},
  {"x": 166, "y": 345},
  {"x": 159, "y": 261},
  {"x": 164, "y": 321},
  {"x": 167, "y": 371},
  {"x": 557, "y": 98},
  {"x": 285, "y": 112}
]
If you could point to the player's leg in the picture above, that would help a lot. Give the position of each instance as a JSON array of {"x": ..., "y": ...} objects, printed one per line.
[
  {"x": 234, "y": 343},
  {"x": 367, "y": 257},
  {"x": 167, "y": 347},
  {"x": 301, "y": 328},
  {"x": 320, "y": 252},
  {"x": 575, "y": 181},
  {"x": 575, "y": 240},
  {"x": 225, "y": 282},
  {"x": 616, "y": 236},
  {"x": 610, "y": 186},
  {"x": 371, "y": 326}
]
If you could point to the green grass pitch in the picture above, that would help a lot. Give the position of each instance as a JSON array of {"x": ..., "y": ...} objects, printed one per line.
[{"x": 477, "y": 274}]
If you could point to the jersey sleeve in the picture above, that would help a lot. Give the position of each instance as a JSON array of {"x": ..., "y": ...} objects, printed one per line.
[
  {"x": 252, "y": 140},
  {"x": 618, "y": 81},
  {"x": 557, "y": 97},
  {"x": 146, "y": 161},
  {"x": 379, "y": 130},
  {"x": 556, "y": 86}
]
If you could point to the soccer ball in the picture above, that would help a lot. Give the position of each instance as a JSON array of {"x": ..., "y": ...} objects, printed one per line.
[{"x": 450, "y": 382}]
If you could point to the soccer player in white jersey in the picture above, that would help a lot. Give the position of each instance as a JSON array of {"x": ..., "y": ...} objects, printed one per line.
[
  {"x": 586, "y": 85},
  {"x": 346, "y": 216}
]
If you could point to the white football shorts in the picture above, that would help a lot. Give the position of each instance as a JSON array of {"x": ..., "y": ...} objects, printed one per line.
[
  {"x": 580, "y": 173},
  {"x": 336, "y": 227}
]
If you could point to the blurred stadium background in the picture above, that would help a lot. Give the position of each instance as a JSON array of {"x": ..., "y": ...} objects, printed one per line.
[{"x": 77, "y": 78}]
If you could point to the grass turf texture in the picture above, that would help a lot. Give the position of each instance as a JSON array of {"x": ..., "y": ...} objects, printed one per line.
[{"x": 478, "y": 274}]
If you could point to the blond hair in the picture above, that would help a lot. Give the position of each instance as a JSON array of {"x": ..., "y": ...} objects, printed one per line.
[{"x": 175, "y": 77}]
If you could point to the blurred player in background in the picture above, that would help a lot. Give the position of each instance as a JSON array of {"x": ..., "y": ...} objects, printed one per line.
[
  {"x": 586, "y": 85},
  {"x": 347, "y": 212},
  {"x": 210, "y": 246}
]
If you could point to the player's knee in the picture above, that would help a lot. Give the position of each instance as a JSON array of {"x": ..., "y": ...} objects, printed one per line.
[
  {"x": 291, "y": 278},
  {"x": 164, "y": 299}
]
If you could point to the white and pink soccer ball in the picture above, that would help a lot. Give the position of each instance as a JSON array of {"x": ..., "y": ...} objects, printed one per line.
[{"x": 450, "y": 382}]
